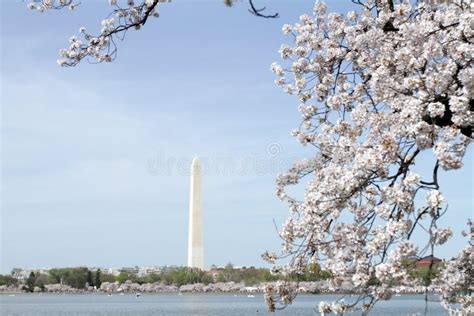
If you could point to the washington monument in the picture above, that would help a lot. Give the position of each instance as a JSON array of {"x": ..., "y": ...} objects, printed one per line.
[{"x": 195, "y": 239}]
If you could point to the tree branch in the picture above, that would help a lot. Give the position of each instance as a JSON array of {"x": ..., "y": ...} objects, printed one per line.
[{"x": 256, "y": 12}]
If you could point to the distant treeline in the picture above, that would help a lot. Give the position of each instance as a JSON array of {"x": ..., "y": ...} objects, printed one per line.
[
  {"x": 82, "y": 277},
  {"x": 75, "y": 277}
]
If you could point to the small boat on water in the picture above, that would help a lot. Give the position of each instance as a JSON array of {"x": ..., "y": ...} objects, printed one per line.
[
  {"x": 180, "y": 293},
  {"x": 121, "y": 293},
  {"x": 250, "y": 295},
  {"x": 138, "y": 295}
]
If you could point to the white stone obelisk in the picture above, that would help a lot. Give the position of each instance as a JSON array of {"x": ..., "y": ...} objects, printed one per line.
[{"x": 195, "y": 239}]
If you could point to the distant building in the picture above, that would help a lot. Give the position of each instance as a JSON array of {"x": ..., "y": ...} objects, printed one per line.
[
  {"x": 130, "y": 270},
  {"x": 21, "y": 274},
  {"x": 147, "y": 271},
  {"x": 214, "y": 271},
  {"x": 112, "y": 271},
  {"x": 425, "y": 262}
]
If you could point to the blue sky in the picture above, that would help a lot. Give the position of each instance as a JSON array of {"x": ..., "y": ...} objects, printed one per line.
[{"x": 95, "y": 158}]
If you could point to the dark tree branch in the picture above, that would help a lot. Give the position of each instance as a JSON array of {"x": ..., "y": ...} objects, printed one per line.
[{"x": 256, "y": 12}]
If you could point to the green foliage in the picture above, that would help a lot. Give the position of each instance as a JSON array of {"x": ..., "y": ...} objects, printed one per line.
[
  {"x": 34, "y": 280},
  {"x": 150, "y": 278},
  {"x": 125, "y": 276},
  {"x": 105, "y": 277},
  {"x": 230, "y": 274},
  {"x": 30, "y": 282},
  {"x": 255, "y": 276},
  {"x": 89, "y": 278},
  {"x": 7, "y": 280},
  {"x": 74, "y": 277},
  {"x": 252, "y": 276},
  {"x": 78, "y": 277},
  {"x": 373, "y": 281},
  {"x": 206, "y": 278},
  {"x": 426, "y": 274},
  {"x": 220, "y": 277},
  {"x": 97, "y": 278},
  {"x": 42, "y": 279},
  {"x": 183, "y": 275},
  {"x": 312, "y": 272}
]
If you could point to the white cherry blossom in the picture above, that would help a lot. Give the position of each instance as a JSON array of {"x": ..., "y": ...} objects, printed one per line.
[
  {"x": 375, "y": 88},
  {"x": 101, "y": 47}
]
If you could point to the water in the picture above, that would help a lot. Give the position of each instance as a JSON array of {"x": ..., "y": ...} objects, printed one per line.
[{"x": 189, "y": 304}]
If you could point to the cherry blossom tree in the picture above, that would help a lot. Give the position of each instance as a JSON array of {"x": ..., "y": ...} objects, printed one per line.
[
  {"x": 379, "y": 89},
  {"x": 101, "y": 47},
  {"x": 125, "y": 15}
]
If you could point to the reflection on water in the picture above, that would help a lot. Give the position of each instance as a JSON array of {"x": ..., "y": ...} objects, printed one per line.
[{"x": 189, "y": 304}]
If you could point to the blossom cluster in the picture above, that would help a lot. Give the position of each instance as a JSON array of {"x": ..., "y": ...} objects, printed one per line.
[
  {"x": 101, "y": 47},
  {"x": 44, "y": 5},
  {"x": 456, "y": 280},
  {"x": 377, "y": 89}
]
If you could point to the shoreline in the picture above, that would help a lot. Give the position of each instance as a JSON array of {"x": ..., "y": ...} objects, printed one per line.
[
  {"x": 315, "y": 288},
  {"x": 13, "y": 294}
]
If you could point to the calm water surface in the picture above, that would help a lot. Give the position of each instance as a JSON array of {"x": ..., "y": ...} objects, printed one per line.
[{"x": 189, "y": 304}]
